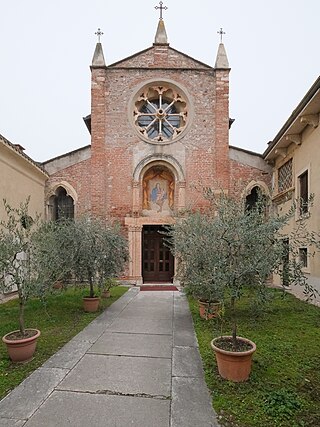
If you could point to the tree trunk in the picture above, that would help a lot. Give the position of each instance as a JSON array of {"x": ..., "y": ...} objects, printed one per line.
[
  {"x": 21, "y": 317},
  {"x": 234, "y": 323},
  {"x": 91, "y": 287}
]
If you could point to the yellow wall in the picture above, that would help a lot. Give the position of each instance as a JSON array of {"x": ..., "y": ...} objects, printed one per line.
[
  {"x": 20, "y": 178},
  {"x": 305, "y": 156}
]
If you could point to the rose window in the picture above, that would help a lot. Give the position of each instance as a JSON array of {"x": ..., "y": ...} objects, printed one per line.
[{"x": 160, "y": 113}]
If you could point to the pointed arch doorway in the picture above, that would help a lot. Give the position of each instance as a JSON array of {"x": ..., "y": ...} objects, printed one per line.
[{"x": 157, "y": 260}]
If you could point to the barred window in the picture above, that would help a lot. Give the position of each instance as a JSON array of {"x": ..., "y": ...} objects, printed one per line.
[
  {"x": 61, "y": 206},
  {"x": 285, "y": 176}
]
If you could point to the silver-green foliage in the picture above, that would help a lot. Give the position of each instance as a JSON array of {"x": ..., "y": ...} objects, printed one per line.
[
  {"x": 231, "y": 247},
  {"x": 18, "y": 263},
  {"x": 93, "y": 251},
  {"x": 35, "y": 254}
]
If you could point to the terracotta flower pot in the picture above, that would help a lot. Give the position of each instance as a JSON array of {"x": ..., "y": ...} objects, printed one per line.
[
  {"x": 209, "y": 310},
  {"x": 105, "y": 294},
  {"x": 90, "y": 304},
  {"x": 232, "y": 365},
  {"x": 57, "y": 284},
  {"x": 21, "y": 350}
]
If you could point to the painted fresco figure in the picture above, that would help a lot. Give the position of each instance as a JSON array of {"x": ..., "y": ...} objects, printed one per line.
[{"x": 158, "y": 196}]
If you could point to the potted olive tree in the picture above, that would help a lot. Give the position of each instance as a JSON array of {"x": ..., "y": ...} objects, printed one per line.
[
  {"x": 18, "y": 271},
  {"x": 240, "y": 248},
  {"x": 107, "y": 286},
  {"x": 191, "y": 245},
  {"x": 98, "y": 251}
]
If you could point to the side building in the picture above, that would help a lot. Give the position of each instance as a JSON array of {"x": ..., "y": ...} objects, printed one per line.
[
  {"x": 294, "y": 154},
  {"x": 20, "y": 177}
]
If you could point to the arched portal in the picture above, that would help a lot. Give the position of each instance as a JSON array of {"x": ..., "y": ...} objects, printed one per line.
[{"x": 158, "y": 200}]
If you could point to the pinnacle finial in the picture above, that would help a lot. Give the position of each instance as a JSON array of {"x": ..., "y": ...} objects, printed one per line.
[{"x": 222, "y": 59}]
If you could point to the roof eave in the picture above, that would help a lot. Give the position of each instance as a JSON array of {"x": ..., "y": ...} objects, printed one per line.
[{"x": 309, "y": 96}]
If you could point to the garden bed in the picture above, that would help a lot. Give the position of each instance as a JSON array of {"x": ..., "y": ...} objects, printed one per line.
[{"x": 284, "y": 386}]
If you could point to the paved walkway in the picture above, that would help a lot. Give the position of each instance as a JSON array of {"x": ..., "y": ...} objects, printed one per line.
[{"x": 136, "y": 365}]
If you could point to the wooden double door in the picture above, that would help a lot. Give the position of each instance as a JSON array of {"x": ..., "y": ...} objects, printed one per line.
[{"x": 157, "y": 260}]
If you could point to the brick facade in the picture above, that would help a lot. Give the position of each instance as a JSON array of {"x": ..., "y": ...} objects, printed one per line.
[{"x": 110, "y": 182}]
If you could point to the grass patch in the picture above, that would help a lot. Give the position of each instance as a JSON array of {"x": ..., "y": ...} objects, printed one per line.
[
  {"x": 284, "y": 386},
  {"x": 60, "y": 319}
]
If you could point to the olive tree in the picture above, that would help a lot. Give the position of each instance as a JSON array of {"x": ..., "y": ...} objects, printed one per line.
[
  {"x": 230, "y": 248},
  {"x": 19, "y": 267},
  {"x": 97, "y": 251}
]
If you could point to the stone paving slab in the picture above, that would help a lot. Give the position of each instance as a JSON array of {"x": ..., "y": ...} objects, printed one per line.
[
  {"x": 183, "y": 331},
  {"x": 133, "y": 345},
  {"x": 184, "y": 336},
  {"x": 119, "y": 305},
  {"x": 147, "y": 312},
  {"x": 6, "y": 422},
  {"x": 69, "y": 355},
  {"x": 23, "y": 401},
  {"x": 68, "y": 409},
  {"x": 142, "y": 325},
  {"x": 120, "y": 389},
  {"x": 120, "y": 374},
  {"x": 158, "y": 296},
  {"x": 92, "y": 332},
  {"x": 191, "y": 404},
  {"x": 187, "y": 362}
]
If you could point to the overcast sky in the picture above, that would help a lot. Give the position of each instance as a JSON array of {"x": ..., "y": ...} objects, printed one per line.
[{"x": 46, "y": 48}]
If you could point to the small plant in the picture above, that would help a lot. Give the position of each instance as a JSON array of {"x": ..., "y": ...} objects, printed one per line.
[
  {"x": 108, "y": 284},
  {"x": 281, "y": 404}
]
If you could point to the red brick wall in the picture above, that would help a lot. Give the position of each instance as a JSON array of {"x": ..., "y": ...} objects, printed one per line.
[
  {"x": 241, "y": 175},
  {"x": 104, "y": 184},
  {"x": 79, "y": 177}
]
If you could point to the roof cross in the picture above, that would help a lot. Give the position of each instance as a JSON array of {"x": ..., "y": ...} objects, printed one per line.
[
  {"x": 99, "y": 33},
  {"x": 221, "y": 32},
  {"x": 161, "y": 7}
]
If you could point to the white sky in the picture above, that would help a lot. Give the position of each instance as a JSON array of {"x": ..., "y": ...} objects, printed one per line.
[{"x": 46, "y": 48}]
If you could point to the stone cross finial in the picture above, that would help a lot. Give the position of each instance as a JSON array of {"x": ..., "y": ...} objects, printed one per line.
[
  {"x": 161, "y": 7},
  {"x": 99, "y": 33},
  {"x": 221, "y": 32}
]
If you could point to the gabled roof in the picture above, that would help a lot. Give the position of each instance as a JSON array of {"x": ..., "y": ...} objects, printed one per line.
[
  {"x": 18, "y": 150},
  {"x": 175, "y": 59},
  {"x": 187, "y": 60}
]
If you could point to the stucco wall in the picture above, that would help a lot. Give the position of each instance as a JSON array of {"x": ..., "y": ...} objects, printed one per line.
[
  {"x": 20, "y": 178},
  {"x": 304, "y": 157}
]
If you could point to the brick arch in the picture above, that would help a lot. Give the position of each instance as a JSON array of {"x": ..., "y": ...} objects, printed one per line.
[
  {"x": 159, "y": 160},
  {"x": 51, "y": 196},
  {"x": 260, "y": 184},
  {"x": 69, "y": 190}
]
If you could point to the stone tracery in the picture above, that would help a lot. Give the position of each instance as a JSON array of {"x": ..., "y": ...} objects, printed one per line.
[{"x": 160, "y": 113}]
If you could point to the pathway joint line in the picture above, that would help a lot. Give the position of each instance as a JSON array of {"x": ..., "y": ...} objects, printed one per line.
[{"x": 117, "y": 393}]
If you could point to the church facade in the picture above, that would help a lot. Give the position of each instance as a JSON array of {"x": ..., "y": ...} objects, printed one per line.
[{"x": 159, "y": 128}]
